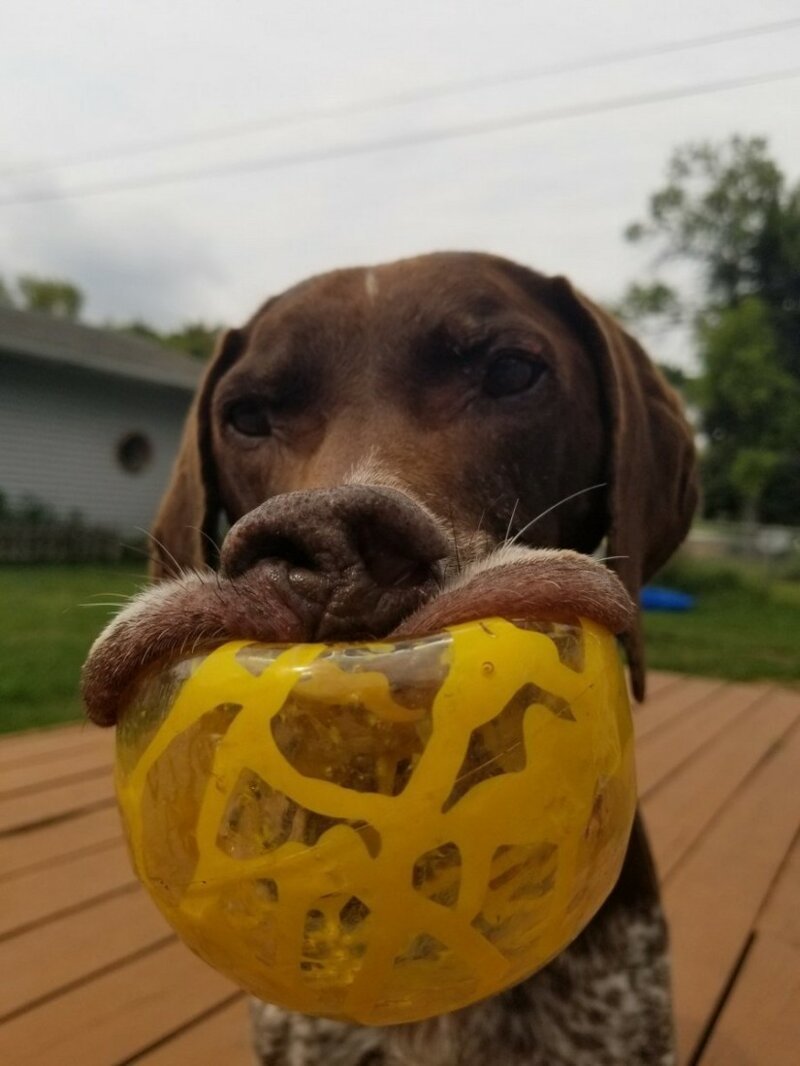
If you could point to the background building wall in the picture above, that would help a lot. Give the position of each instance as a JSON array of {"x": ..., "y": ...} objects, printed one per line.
[{"x": 60, "y": 432}]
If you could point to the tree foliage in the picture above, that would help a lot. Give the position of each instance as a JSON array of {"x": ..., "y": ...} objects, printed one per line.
[
  {"x": 62, "y": 299},
  {"x": 729, "y": 212},
  {"x": 49, "y": 296},
  {"x": 195, "y": 338}
]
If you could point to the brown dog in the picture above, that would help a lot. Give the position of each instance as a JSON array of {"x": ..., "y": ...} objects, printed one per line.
[{"x": 394, "y": 447}]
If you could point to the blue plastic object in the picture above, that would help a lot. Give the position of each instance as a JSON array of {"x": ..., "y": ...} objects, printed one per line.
[{"x": 658, "y": 598}]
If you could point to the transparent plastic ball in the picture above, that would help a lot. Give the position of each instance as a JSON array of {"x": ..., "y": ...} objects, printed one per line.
[{"x": 382, "y": 832}]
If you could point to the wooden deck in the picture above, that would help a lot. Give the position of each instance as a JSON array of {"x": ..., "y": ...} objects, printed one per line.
[{"x": 92, "y": 976}]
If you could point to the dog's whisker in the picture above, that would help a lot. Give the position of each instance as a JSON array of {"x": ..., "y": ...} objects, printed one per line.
[
  {"x": 455, "y": 537},
  {"x": 177, "y": 568},
  {"x": 479, "y": 526},
  {"x": 137, "y": 549},
  {"x": 510, "y": 521},
  {"x": 542, "y": 514},
  {"x": 103, "y": 603},
  {"x": 207, "y": 536}
]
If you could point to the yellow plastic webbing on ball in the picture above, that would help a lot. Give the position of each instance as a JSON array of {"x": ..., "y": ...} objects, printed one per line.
[{"x": 496, "y": 820}]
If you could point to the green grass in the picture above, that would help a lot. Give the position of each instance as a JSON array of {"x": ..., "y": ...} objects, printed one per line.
[
  {"x": 744, "y": 627},
  {"x": 46, "y": 634}
]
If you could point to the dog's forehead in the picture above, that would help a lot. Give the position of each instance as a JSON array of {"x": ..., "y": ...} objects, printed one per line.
[{"x": 407, "y": 295}]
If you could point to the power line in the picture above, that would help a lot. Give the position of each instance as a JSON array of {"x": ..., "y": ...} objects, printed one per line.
[
  {"x": 368, "y": 147},
  {"x": 398, "y": 99}
]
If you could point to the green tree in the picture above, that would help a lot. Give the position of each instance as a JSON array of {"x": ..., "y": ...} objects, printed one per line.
[
  {"x": 137, "y": 328},
  {"x": 194, "y": 338},
  {"x": 50, "y": 296},
  {"x": 728, "y": 211}
]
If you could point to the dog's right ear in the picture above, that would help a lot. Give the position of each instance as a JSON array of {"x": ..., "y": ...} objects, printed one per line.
[
  {"x": 652, "y": 477},
  {"x": 186, "y": 526}
]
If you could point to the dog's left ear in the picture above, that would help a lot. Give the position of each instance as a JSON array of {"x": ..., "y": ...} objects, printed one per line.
[
  {"x": 185, "y": 527},
  {"x": 653, "y": 488}
]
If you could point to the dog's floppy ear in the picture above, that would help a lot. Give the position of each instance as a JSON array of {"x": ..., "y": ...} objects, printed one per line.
[
  {"x": 652, "y": 480},
  {"x": 185, "y": 527}
]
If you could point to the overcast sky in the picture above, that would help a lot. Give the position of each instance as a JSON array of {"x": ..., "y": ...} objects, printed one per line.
[{"x": 84, "y": 79}]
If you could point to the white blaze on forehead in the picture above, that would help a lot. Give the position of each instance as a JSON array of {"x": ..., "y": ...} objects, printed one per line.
[{"x": 371, "y": 284}]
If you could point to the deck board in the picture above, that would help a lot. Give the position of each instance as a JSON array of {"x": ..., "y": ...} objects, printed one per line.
[
  {"x": 118, "y": 1014},
  {"x": 219, "y": 1039},
  {"x": 70, "y": 949},
  {"x": 714, "y": 894},
  {"x": 46, "y": 844},
  {"x": 760, "y": 1019},
  {"x": 679, "y": 810},
  {"x": 662, "y": 753},
  {"x": 99, "y": 979},
  {"x": 37, "y": 896},
  {"x": 55, "y": 803}
]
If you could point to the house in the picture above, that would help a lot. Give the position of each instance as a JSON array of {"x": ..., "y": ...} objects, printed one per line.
[{"x": 89, "y": 419}]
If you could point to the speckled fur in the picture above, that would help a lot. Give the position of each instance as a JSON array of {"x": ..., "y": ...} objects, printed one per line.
[{"x": 605, "y": 1001}]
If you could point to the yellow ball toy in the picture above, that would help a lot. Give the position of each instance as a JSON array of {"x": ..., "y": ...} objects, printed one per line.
[{"x": 382, "y": 832}]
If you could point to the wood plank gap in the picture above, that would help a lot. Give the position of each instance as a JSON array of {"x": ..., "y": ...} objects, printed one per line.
[
  {"x": 56, "y": 955},
  {"x": 696, "y": 753},
  {"x": 68, "y": 856},
  {"x": 719, "y": 1006},
  {"x": 189, "y": 1024},
  {"x": 713, "y": 895},
  {"x": 56, "y": 782},
  {"x": 778, "y": 914},
  {"x": 49, "y": 743},
  {"x": 92, "y": 975},
  {"x": 53, "y": 819},
  {"x": 133, "y": 886},
  {"x": 113, "y": 1017},
  {"x": 760, "y": 1023},
  {"x": 665, "y": 714},
  {"x": 679, "y": 814},
  {"x": 752, "y": 773}
]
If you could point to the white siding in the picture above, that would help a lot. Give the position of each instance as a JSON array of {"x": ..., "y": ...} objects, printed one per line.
[{"x": 59, "y": 431}]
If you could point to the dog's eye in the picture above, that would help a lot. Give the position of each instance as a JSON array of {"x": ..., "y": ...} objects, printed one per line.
[
  {"x": 250, "y": 417},
  {"x": 511, "y": 373}
]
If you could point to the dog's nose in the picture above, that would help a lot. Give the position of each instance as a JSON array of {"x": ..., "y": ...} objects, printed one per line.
[{"x": 352, "y": 562}]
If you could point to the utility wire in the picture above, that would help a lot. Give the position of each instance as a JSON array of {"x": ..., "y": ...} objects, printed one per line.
[
  {"x": 367, "y": 147},
  {"x": 392, "y": 100}
]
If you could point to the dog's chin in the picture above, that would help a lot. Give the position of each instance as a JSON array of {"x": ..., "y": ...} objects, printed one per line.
[{"x": 198, "y": 612}]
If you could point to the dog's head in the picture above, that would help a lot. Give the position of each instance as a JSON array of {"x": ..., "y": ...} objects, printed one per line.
[{"x": 389, "y": 445}]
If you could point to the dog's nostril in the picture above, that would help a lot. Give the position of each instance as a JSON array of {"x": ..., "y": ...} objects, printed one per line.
[
  {"x": 286, "y": 549},
  {"x": 387, "y": 561},
  {"x": 274, "y": 547}
]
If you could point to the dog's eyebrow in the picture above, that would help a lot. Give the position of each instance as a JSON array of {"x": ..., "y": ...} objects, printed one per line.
[
  {"x": 485, "y": 305},
  {"x": 283, "y": 378},
  {"x": 462, "y": 337}
]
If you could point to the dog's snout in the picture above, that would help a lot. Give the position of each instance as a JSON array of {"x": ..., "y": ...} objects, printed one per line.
[{"x": 352, "y": 561}]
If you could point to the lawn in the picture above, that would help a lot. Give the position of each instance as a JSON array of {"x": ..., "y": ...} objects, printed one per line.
[
  {"x": 743, "y": 627},
  {"x": 744, "y": 634},
  {"x": 47, "y": 629}
]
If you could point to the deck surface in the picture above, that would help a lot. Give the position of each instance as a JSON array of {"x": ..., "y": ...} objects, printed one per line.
[{"x": 92, "y": 975}]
